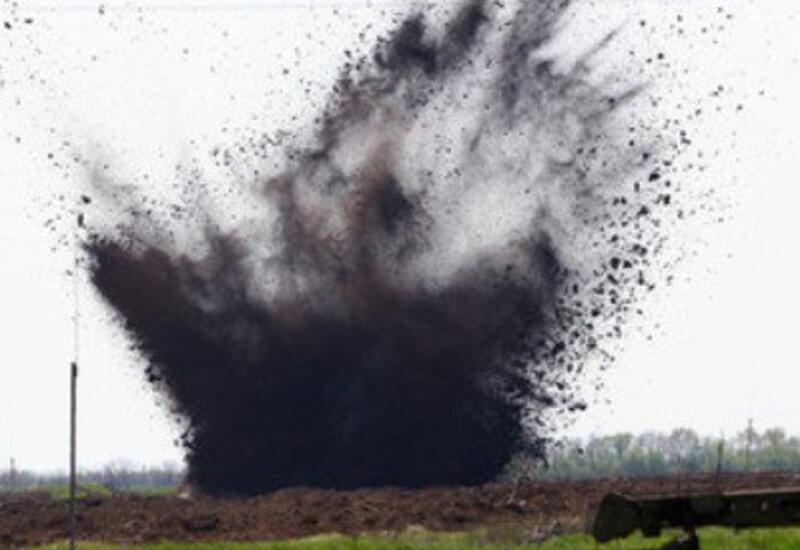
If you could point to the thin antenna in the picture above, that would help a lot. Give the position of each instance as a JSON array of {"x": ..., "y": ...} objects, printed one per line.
[{"x": 73, "y": 391}]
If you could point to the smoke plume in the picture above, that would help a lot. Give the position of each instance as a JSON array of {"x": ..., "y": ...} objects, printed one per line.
[{"x": 418, "y": 287}]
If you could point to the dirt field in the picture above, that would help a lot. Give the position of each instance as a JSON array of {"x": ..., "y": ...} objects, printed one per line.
[{"x": 558, "y": 506}]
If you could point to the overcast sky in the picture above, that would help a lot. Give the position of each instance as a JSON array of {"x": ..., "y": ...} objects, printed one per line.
[{"x": 145, "y": 89}]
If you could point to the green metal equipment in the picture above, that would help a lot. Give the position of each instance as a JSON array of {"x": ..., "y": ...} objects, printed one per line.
[{"x": 619, "y": 516}]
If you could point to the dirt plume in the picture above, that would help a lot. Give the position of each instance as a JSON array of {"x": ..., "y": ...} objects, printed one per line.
[{"x": 418, "y": 286}]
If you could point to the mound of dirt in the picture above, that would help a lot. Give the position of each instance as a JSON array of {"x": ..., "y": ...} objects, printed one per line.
[{"x": 27, "y": 520}]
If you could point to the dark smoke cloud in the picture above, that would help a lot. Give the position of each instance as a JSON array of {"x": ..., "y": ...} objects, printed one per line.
[{"x": 423, "y": 281}]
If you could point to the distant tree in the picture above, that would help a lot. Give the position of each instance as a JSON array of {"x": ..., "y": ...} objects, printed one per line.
[
  {"x": 622, "y": 443},
  {"x": 653, "y": 453}
]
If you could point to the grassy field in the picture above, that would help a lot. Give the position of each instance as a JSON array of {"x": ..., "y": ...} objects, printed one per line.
[
  {"x": 83, "y": 490},
  {"x": 61, "y": 491},
  {"x": 711, "y": 539}
]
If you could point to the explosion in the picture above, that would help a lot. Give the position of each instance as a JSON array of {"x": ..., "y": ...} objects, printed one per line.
[{"x": 419, "y": 286}]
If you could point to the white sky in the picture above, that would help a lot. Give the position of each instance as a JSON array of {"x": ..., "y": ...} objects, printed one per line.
[{"x": 124, "y": 88}]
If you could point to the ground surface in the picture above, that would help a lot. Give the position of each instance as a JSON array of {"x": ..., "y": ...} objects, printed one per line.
[
  {"x": 711, "y": 539},
  {"x": 531, "y": 511}
]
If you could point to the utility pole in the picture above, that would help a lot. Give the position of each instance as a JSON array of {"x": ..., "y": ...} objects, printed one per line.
[
  {"x": 720, "y": 452},
  {"x": 12, "y": 475},
  {"x": 73, "y": 390},
  {"x": 749, "y": 444},
  {"x": 73, "y": 520}
]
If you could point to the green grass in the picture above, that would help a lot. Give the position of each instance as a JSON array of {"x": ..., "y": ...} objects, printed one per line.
[
  {"x": 83, "y": 490},
  {"x": 61, "y": 491},
  {"x": 711, "y": 539},
  {"x": 151, "y": 491}
]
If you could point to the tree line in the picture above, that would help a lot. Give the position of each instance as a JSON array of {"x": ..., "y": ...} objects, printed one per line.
[
  {"x": 115, "y": 477},
  {"x": 681, "y": 451}
]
